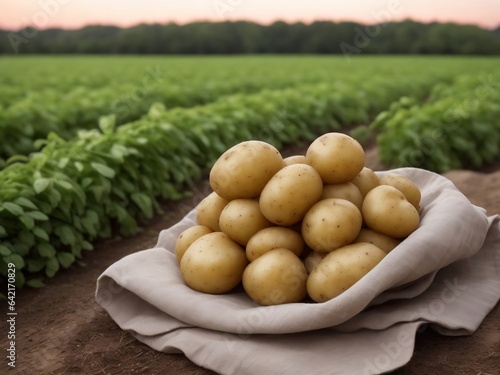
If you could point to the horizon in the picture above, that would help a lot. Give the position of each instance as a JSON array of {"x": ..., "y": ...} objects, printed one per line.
[
  {"x": 77, "y": 14},
  {"x": 55, "y": 27}
]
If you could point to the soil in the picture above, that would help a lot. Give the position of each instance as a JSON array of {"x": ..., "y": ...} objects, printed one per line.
[{"x": 62, "y": 330}]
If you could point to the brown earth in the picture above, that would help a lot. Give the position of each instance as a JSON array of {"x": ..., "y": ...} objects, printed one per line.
[{"x": 62, "y": 330}]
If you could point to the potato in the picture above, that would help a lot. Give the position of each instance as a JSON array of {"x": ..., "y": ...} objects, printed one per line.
[
  {"x": 380, "y": 240},
  {"x": 213, "y": 264},
  {"x": 295, "y": 159},
  {"x": 346, "y": 190},
  {"x": 386, "y": 210},
  {"x": 244, "y": 169},
  {"x": 313, "y": 259},
  {"x": 290, "y": 193},
  {"x": 341, "y": 269},
  {"x": 337, "y": 157},
  {"x": 275, "y": 278},
  {"x": 187, "y": 237},
  {"x": 366, "y": 180},
  {"x": 209, "y": 209},
  {"x": 404, "y": 185},
  {"x": 330, "y": 224},
  {"x": 271, "y": 238},
  {"x": 241, "y": 219}
]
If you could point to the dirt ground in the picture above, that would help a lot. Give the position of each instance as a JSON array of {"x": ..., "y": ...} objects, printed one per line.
[{"x": 62, "y": 330}]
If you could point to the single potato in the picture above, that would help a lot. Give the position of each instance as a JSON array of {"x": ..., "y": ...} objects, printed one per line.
[
  {"x": 313, "y": 259},
  {"x": 346, "y": 190},
  {"x": 209, "y": 210},
  {"x": 386, "y": 210},
  {"x": 213, "y": 264},
  {"x": 380, "y": 240},
  {"x": 337, "y": 157},
  {"x": 330, "y": 224},
  {"x": 290, "y": 193},
  {"x": 244, "y": 169},
  {"x": 341, "y": 269},
  {"x": 241, "y": 219},
  {"x": 365, "y": 181},
  {"x": 404, "y": 185},
  {"x": 295, "y": 159},
  {"x": 187, "y": 237},
  {"x": 271, "y": 238},
  {"x": 275, "y": 278}
]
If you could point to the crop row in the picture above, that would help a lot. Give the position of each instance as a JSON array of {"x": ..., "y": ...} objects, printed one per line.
[
  {"x": 57, "y": 202},
  {"x": 65, "y": 113},
  {"x": 456, "y": 127}
]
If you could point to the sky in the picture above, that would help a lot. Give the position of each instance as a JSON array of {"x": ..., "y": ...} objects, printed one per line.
[{"x": 72, "y": 14}]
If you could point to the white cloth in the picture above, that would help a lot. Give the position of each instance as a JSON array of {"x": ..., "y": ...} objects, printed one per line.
[{"x": 446, "y": 273}]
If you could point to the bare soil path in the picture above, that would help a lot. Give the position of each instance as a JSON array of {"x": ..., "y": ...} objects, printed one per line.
[{"x": 62, "y": 330}]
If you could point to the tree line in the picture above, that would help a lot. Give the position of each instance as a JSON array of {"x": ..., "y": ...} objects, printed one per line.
[{"x": 322, "y": 37}]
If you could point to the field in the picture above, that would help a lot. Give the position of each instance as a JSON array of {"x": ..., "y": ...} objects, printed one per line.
[{"x": 101, "y": 153}]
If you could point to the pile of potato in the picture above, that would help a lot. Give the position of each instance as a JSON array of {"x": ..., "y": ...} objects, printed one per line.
[{"x": 306, "y": 226}]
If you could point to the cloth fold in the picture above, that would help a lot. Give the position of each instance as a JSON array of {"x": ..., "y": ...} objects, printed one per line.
[{"x": 446, "y": 273}]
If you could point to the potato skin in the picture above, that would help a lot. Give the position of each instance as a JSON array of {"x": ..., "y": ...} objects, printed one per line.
[
  {"x": 271, "y": 238},
  {"x": 337, "y": 157},
  {"x": 365, "y": 181},
  {"x": 386, "y": 210},
  {"x": 244, "y": 169},
  {"x": 404, "y": 185},
  {"x": 209, "y": 210},
  {"x": 187, "y": 237},
  {"x": 213, "y": 264},
  {"x": 341, "y": 269},
  {"x": 241, "y": 219},
  {"x": 330, "y": 224},
  {"x": 380, "y": 240},
  {"x": 275, "y": 278},
  {"x": 290, "y": 193},
  {"x": 295, "y": 159},
  {"x": 345, "y": 190}
]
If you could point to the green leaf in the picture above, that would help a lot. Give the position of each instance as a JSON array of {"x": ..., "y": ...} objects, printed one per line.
[
  {"x": 52, "y": 267},
  {"x": 66, "y": 234},
  {"x": 103, "y": 169},
  {"x": 64, "y": 184},
  {"x": 54, "y": 197},
  {"x": 37, "y": 215},
  {"x": 41, "y": 233},
  {"x": 13, "y": 208},
  {"x": 46, "y": 250},
  {"x": 28, "y": 222},
  {"x": 35, "y": 265},
  {"x": 16, "y": 259},
  {"x": 79, "y": 166},
  {"x": 27, "y": 237},
  {"x": 65, "y": 259},
  {"x": 3, "y": 231},
  {"x": 22, "y": 201},
  {"x": 35, "y": 283},
  {"x": 87, "y": 245},
  {"x": 4, "y": 250},
  {"x": 144, "y": 203},
  {"x": 41, "y": 184},
  {"x": 21, "y": 249},
  {"x": 107, "y": 123}
]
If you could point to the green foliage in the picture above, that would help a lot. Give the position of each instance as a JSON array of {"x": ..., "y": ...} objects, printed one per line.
[{"x": 456, "y": 127}]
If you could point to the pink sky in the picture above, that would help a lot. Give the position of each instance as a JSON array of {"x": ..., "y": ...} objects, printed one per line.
[{"x": 42, "y": 14}]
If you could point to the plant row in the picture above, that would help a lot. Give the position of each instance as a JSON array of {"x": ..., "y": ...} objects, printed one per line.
[
  {"x": 456, "y": 127},
  {"x": 54, "y": 205}
]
